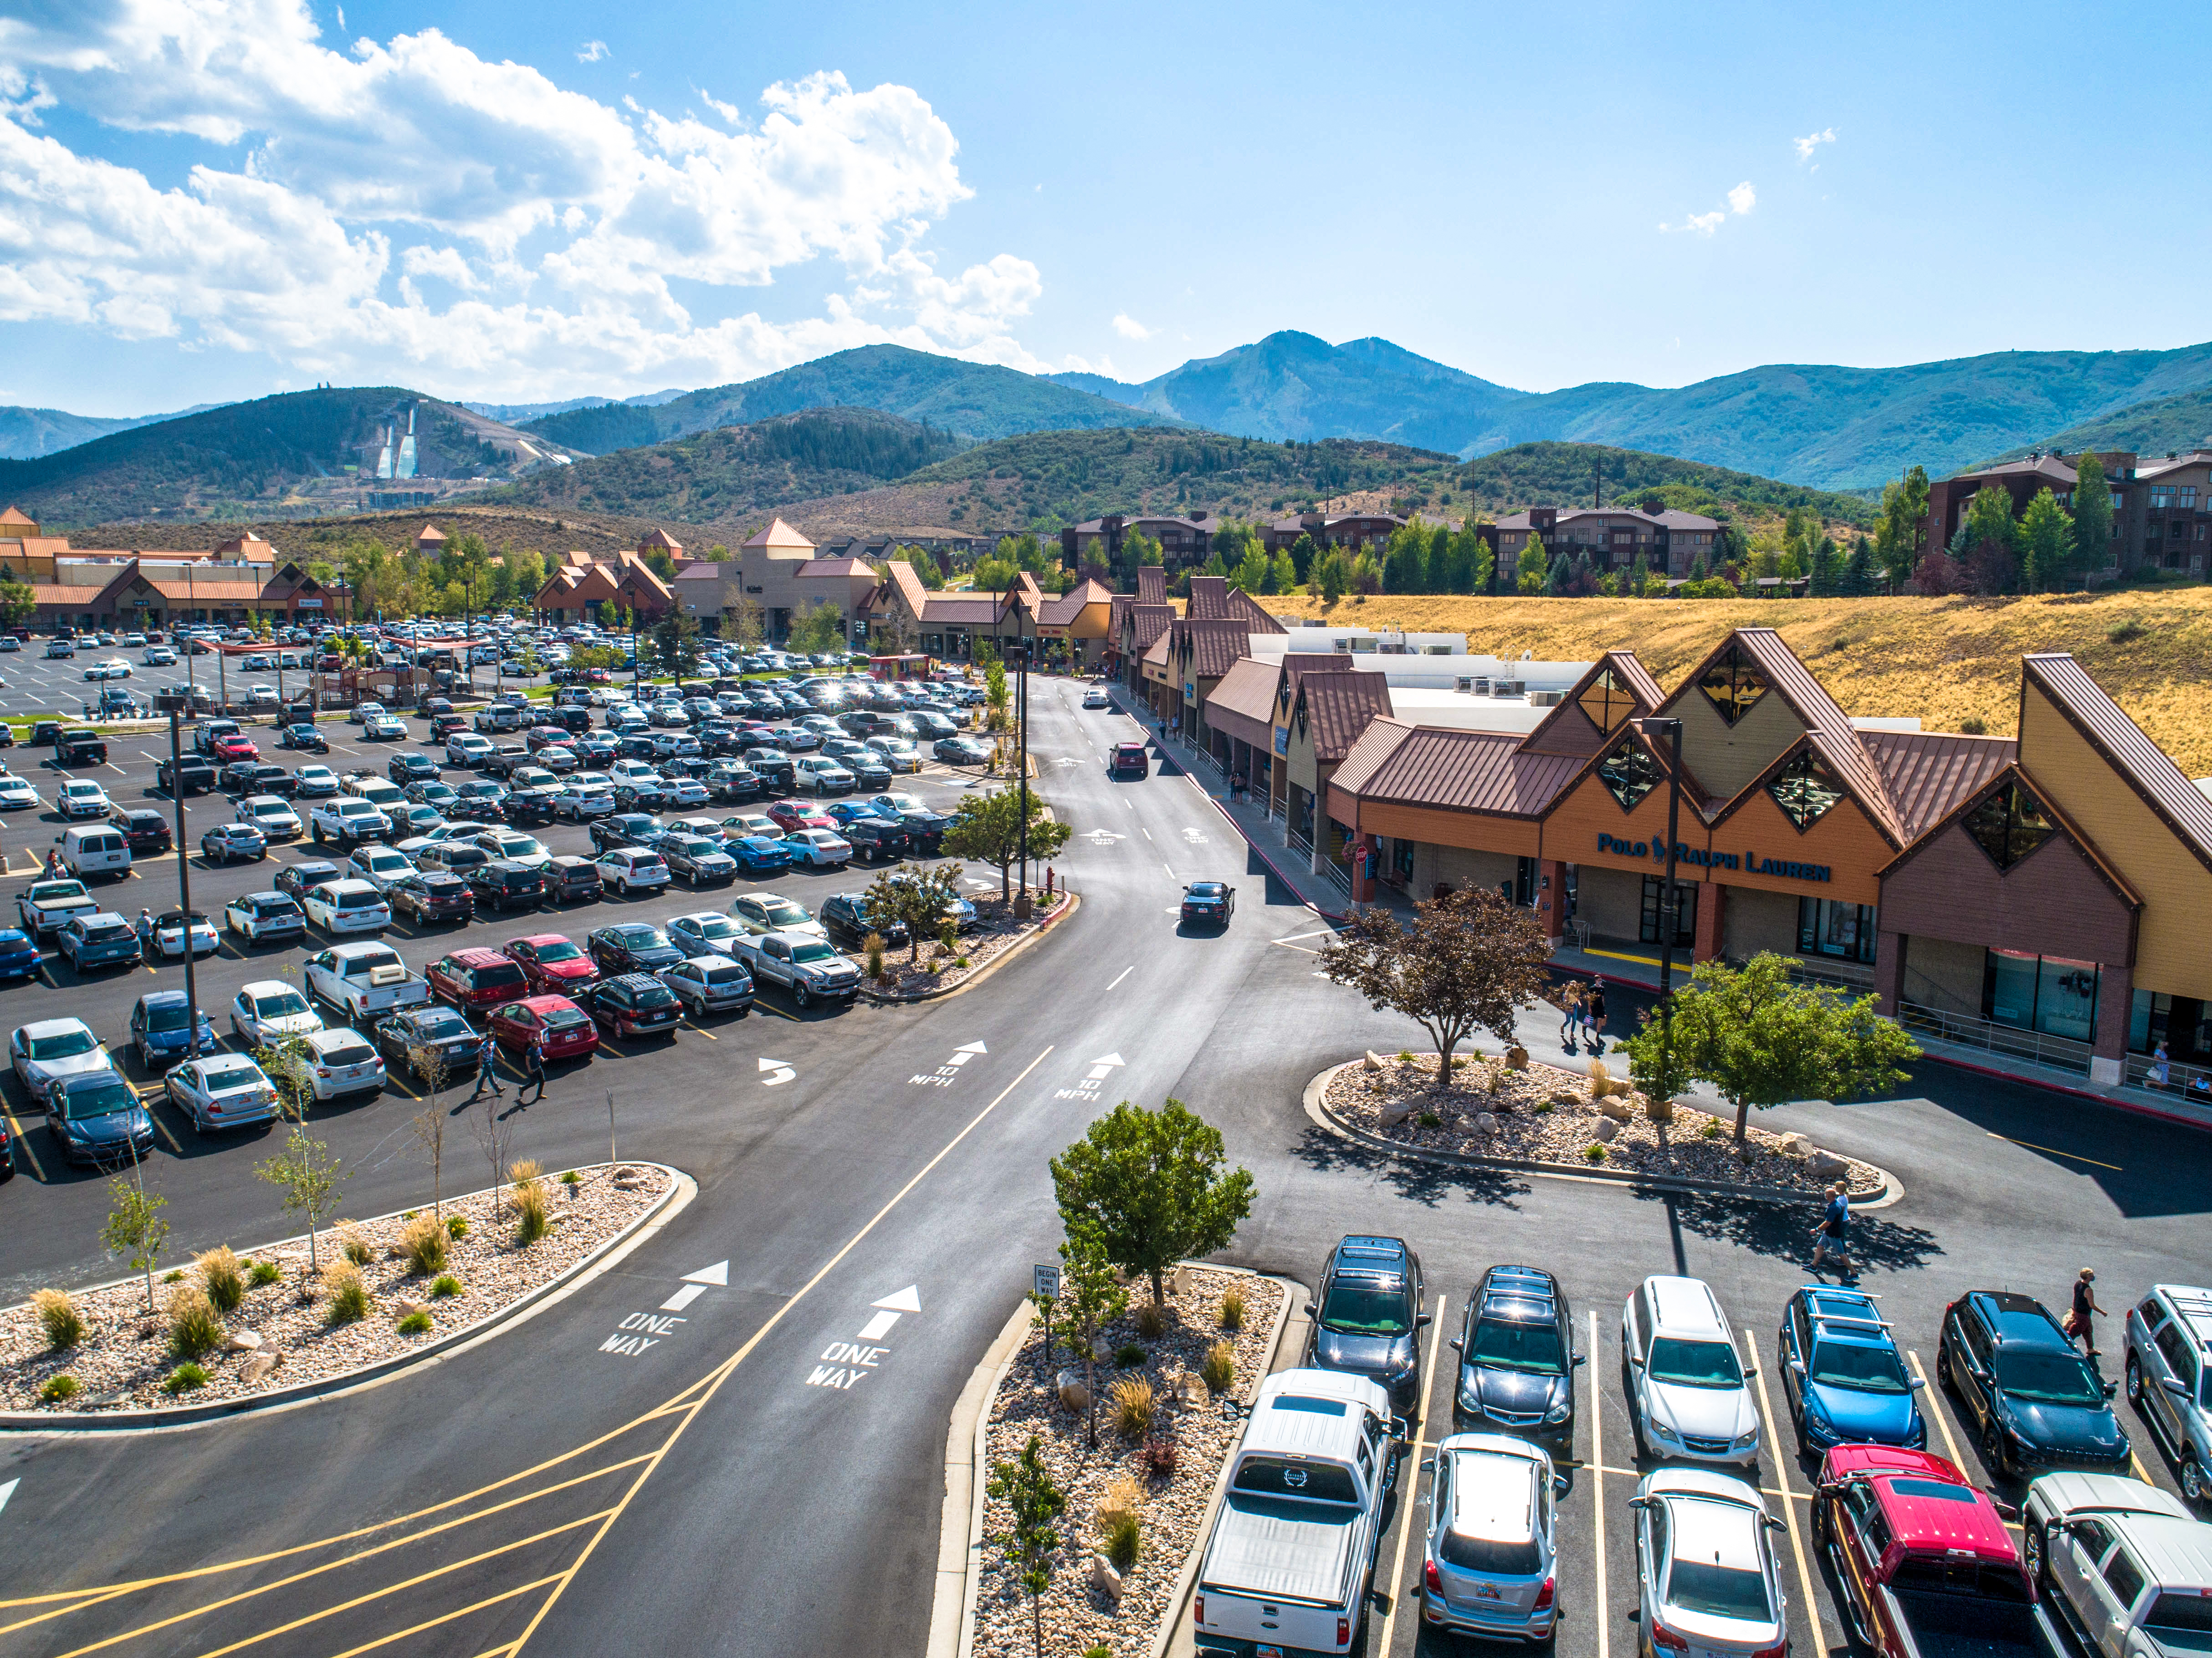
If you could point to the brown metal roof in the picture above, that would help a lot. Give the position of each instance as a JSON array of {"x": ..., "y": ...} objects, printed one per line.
[
  {"x": 1370, "y": 753},
  {"x": 1831, "y": 727},
  {"x": 1207, "y": 648},
  {"x": 1248, "y": 688},
  {"x": 1567, "y": 729},
  {"x": 1970, "y": 797},
  {"x": 1152, "y": 585},
  {"x": 1209, "y": 598},
  {"x": 1248, "y": 611},
  {"x": 2107, "y": 728},
  {"x": 1150, "y": 621},
  {"x": 1067, "y": 608},
  {"x": 1340, "y": 705},
  {"x": 1456, "y": 770},
  {"x": 1929, "y": 772}
]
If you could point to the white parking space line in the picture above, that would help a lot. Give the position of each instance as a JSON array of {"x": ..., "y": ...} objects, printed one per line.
[
  {"x": 1782, "y": 1481},
  {"x": 1407, "y": 1517},
  {"x": 1597, "y": 1486},
  {"x": 1936, "y": 1409}
]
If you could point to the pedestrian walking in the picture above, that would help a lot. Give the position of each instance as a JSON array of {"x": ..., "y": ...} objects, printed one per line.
[
  {"x": 1594, "y": 1017},
  {"x": 1834, "y": 1229},
  {"x": 1571, "y": 1013},
  {"x": 486, "y": 1073},
  {"x": 2082, "y": 1322},
  {"x": 54, "y": 864},
  {"x": 533, "y": 1072}
]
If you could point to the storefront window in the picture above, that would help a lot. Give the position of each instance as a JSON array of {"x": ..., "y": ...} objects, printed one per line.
[
  {"x": 1732, "y": 683},
  {"x": 2041, "y": 993},
  {"x": 1606, "y": 701},
  {"x": 2181, "y": 1024},
  {"x": 1401, "y": 860},
  {"x": 1804, "y": 788},
  {"x": 1524, "y": 882},
  {"x": 1686, "y": 910},
  {"x": 1629, "y": 774},
  {"x": 2009, "y": 824},
  {"x": 1826, "y": 927}
]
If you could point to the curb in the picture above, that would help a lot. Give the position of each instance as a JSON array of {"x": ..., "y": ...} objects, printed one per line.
[
  {"x": 1074, "y": 902},
  {"x": 682, "y": 1189},
  {"x": 1892, "y": 1190}
]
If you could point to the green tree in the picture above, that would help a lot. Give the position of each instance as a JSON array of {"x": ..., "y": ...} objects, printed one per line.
[
  {"x": 2093, "y": 518},
  {"x": 134, "y": 1227},
  {"x": 658, "y": 560},
  {"x": 1857, "y": 582},
  {"x": 744, "y": 628},
  {"x": 2046, "y": 543},
  {"x": 17, "y": 601},
  {"x": 1252, "y": 571},
  {"x": 1303, "y": 553},
  {"x": 821, "y": 629},
  {"x": 1559, "y": 574},
  {"x": 919, "y": 897},
  {"x": 1025, "y": 1487},
  {"x": 924, "y": 565},
  {"x": 1989, "y": 518},
  {"x": 1406, "y": 560},
  {"x": 1335, "y": 575},
  {"x": 1090, "y": 1298},
  {"x": 675, "y": 646},
  {"x": 309, "y": 1176},
  {"x": 993, "y": 576},
  {"x": 986, "y": 829},
  {"x": 1534, "y": 568},
  {"x": 1146, "y": 1189},
  {"x": 1827, "y": 571},
  {"x": 1470, "y": 961},
  {"x": 1761, "y": 1039},
  {"x": 1282, "y": 574}
]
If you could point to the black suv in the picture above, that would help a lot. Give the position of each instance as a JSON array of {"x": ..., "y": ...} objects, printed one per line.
[
  {"x": 404, "y": 769},
  {"x": 295, "y": 881},
  {"x": 844, "y": 917},
  {"x": 1368, "y": 1319},
  {"x": 631, "y": 947},
  {"x": 626, "y": 829},
  {"x": 529, "y": 808},
  {"x": 432, "y": 895},
  {"x": 502, "y": 884},
  {"x": 2022, "y": 1383},
  {"x": 773, "y": 766},
  {"x": 925, "y": 829},
  {"x": 872, "y": 837},
  {"x": 1516, "y": 1360},
  {"x": 634, "y": 1004}
]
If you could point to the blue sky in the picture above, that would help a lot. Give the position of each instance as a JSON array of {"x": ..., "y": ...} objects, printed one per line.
[{"x": 521, "y": 203}]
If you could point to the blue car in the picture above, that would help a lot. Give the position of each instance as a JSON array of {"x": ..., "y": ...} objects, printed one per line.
[
  {"x": 757, "y": 853},
  {"x": 844, "y": 811},
  {"x": 158, "y": 1030},
  {"x": 19, "y": 957},
  {"x": 1842, "y": 1375},
  {"x": 95, "y": 1117}
]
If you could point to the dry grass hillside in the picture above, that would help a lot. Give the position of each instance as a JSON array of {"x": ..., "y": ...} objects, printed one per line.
[{"x": 1947, "y": 661}]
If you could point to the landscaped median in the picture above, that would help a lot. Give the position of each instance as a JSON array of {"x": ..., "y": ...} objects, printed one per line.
[
  {"x": 940, "y": 969},
  {"x": 233, "y": 1332},
  {"x": 1502, "y": 1112}
]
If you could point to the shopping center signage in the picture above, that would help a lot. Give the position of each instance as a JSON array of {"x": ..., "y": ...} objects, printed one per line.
[{"x": 1750, "y": 862}]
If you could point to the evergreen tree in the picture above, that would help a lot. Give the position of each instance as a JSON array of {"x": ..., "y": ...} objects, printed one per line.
[
  {"x": 1302, "y": 551},
  {"x": 1857, "y": 580},
  {"x": 1556, "y": 577},
  {"x": 1989, "y": 518},
  {"x": 1282, "y": 574},
  {"x": 1335, "y": 575},
  {"x": 2046, "y": 543},
  {"x": 1826, "y": 573},
  {"x": 1699, "y": 568},
  {"x": 1439, "y": 570},
  {"x": 1472, "y": 559},
  {"x": 1898, "y": 541},
  {"x": 2092, "y": 518},
  {"x": 1534, "y": 568},
  {"x": 1639, "y": 574}
]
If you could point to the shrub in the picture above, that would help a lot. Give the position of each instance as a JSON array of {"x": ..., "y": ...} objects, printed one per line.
[
  {"x": 423, "y": 1246},
  {"x": 1123, "y": 1496},
  {"x": 1232, "y": 1310},
  {"x": 1219, "y": 1368},
  {"x": 1128, "y": 1354},
  {"x": 266, "y": 1272},
  {"x": 1405, "y": 1056},
  {"x": 1161, "y": 1455},
  {"x": 572, "y": 1178},
  {"x": 1429, "y": 1119},
  {"x": 1974, "y": 725},
  {"x": 457, "y": 1227},
  {"x": 874, "y": 946},
  {"x": 1152, "y": 1320},
  {"x": 1122, "y": 1536},
  {"x": 1593, "y": 1153},
  {"x": 225, "y": 1280},
  {"x": 2121, "y": 632},
  {"x": 1098, "y": 1649},
  {"x": 414, "y": 1324},
  {"x": 175, "y": 1275},
  {"x": 56, "y": 1388},
  {"x": 353, "y": 1246},
  {"x": 1713, "y": 1129},
  {"x": 1131, "y": 1401},
  {"x": 195, "y": 1327},
  {"x": 185, "y": 1377},
  {"x": 445, "y": 1285},
  {"x": 529, "y": 1222},
  {"x": 960, "y": 961},
  {"x": 64, "y": 1324},
  {"x": 346, "y": 1297},
  {"x": 1542, "y": 1108}
]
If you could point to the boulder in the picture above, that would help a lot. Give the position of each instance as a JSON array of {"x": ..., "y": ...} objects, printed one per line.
[
  {"x": 1516, "y": 1058},
  {"x": 1372, "y": 1063},
  {"x": 1605, "y": 1130},
  {"x": 1074, "y": 1395},
  {"x": 406, "y": 1307},
  {"x": 1105, "y": 1579},
  {"x": 243, "y": 1341},
  {"x": 256, "y": 1367},
  {"x": 1487, "y": 1121},
  {"x": 1615, "y": 1108},
  {"x": 1393, "y": 1112},
  {"x": 1827, "y": 1165},
  {"x": 1795, "y": 1145},
  {"x": 1190, "y": 1389}
]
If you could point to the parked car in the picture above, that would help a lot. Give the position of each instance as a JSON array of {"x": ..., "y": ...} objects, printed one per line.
[
  {"x": 561, "y": 1029},
  {"x": 145, "y": 832},
  {"x": 415, "y": 1041},
  {"x": 269, "y": 1010},
  {"x": 304, "y": 737},
  {"x": 347, "y": 906},
  {"x": 380, "y": 865},
  {"x": 631, "y": 947},
  {"x": 347, "y": 820},
  {"x": 264, "y": 917},
  {"x": 339, "y": 1064},
  {"x": 570, "y": 878},
  {"x": 1843, "y": 1379},
  {"x": 808, "y": 967},
  {"x": 79, "y": 798},
  {"x": 89, "y": 851},
  {"x": 924, "y": 828},
  {"x": 103, "y": 939},
  {"x": 1689, "y": 1394},
  {"x": 704, "y": 933},
  {"x": 632, "y": 870},
  {"x": 43, "y": 906},
  {"x": 1518, "y": 1359},
  {"x": 1367, "y": 1316},
  {"x": 163, "y": 1033},
  {"x": 432, "y": 895},
  {"x": 634, "y": 1004},
  {"x": 49, "y": 1050},
  {"x": 502, "y": 884},
  {"x": 847, "y": 920},
  {"x": 226, "y": 843},
  {"x": 758, "y": 854},
  {"x": 364, "y": 980},
  {"x": 2022, "y": 1388},
  {"x": 412, "y": 767},
  {"x": 961, "y": 751},
  {"x": 2169, "y": 1372},
  {"x": 710, "y": 984},
  {"x": 271, "y": 816},
  {"x": 551, "y": 962},
  {"x": 295, "y": 880},
  {"x": 1490, "y": 1563},
  {"x": 758, "y": 912},
  {"x": 314, "y": 783},
  {"x": 476, "y": 979},
  {"x": 700, "y": 859},
  {"x": 95, "y": 1117},
  {"x": 1707, "y": 1578}
]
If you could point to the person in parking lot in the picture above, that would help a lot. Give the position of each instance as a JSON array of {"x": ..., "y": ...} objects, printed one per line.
[
  {"x": 533, "y": 1072},
  {"x": 2082, "y": 1322},
  {"x": 1834, "y": 1231},
  {"x": 54, "y": 864},
  {"x": 486, "y": 1073},
  {"x": 1594, "y": 1017}
]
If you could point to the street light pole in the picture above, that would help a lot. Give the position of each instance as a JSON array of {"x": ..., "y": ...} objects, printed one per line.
[
  {"x": 184, "y": 885},
  {"x": 1653, "y": 729}
]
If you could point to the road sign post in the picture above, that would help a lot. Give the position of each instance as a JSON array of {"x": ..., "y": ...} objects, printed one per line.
[{"x": 1044, "y": 1287}]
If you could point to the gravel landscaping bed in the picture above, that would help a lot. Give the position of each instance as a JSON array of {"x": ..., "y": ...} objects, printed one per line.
[
  {"x": 995, "y": 933},
  {"x": 281, "y": 1334},
  {"x": 1544, "y": 1114},
  {"x": 1078, "y": 1610}
]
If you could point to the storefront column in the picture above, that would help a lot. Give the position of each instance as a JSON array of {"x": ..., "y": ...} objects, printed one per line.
[
  {"x": 1364, "y": 855},
  {"x": 1888, "y": 973},
  {"x": 1713, "y": 913},
  {"x": 1552, "y": 898},
  {"x": 2116, "y": 994}
]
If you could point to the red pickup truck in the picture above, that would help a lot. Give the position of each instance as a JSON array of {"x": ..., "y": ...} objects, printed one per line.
[{"x": 1925, "y": 1567}]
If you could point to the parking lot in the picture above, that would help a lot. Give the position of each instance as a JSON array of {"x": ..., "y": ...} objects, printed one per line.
[{"x": 38, "y": 687}]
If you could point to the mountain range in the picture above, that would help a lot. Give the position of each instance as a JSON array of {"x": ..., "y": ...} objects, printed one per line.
[{"x": 26, "y": 433}]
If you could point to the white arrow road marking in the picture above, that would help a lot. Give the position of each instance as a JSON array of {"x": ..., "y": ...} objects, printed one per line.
[
  {"x": 1101, "y": 1069},
  {"x": 784, "y": 1073},
  {"x": 972, "y": 1048},
  {"x": 878, "y": 1327},
  {"x": 7, "y": 1491},
  {"x": 906, "y": 1300},
  {"x": 719, "y": 1273},
  {"x": 683, "y": 1297},
  {"x": 1111, "y": 1058}
]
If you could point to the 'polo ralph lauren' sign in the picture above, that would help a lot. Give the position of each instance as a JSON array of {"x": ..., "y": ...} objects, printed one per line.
[{"x": 1751, "y": 863}]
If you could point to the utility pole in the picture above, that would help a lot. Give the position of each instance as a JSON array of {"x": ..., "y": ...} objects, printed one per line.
[
  {"x": 184, "y": 885},
  {"x": 1021, "y": 754},
  {"x": 1653, "y": 729}
]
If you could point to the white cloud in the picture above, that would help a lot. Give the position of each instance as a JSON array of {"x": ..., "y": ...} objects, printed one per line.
[
  {"x": 1742, "y": 198},
  {"x": 326, "y": 186},
  {"x": 1813, "y": 141},
  {"x": 1130, "y": 329},
  {"x": 1102, "y": 366},
  {"x": 1702, "y": 224},
  {"x": 591, "y": 52}
]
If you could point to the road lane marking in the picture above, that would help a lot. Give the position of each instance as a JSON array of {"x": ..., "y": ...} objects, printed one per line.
[
  {"x": 2053, "y": 1149},
  {"x": 1782, "y": 1479},
  {"x": 1124, "y": 973},
  {"x": 15, "y": 1132},
  {"x": 1942, "y": 1417},
  {"x": 1405, "y": 1529},
  {"x": 1597, "y": 1487}
]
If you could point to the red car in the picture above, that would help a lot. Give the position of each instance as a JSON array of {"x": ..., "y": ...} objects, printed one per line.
[
  {"x": 552, "y": 963},
  {"x": 472, "y": 979},
  {"x": 792, "y": 815},
  {"x": 231, "y": 745},
  {"x": 565, "y": 1029}
]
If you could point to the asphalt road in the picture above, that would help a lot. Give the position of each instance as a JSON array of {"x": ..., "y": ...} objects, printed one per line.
[{"x": 709, "y": 1494}]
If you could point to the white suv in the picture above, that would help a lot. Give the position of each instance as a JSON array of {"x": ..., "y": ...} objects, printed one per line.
[{"x": 1689, "y": 1394}]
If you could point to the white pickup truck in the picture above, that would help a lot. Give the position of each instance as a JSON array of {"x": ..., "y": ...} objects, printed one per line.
[
  {"x": 347, "y": 820},
  {"x": 49, "y": 903},
  {"x": 366, "y": 983},
  {"x": 1292, "y": 1558}
]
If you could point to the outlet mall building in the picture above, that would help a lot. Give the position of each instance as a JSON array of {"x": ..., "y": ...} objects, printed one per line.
[{"x": 2044, "y": 898}]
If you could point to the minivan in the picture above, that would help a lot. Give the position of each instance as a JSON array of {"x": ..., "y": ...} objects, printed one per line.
[{"x": 93, "y": 849}]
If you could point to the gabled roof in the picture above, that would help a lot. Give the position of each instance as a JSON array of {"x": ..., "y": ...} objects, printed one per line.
[
  {"x": 1152, "y": 584},
  {"x": 428, "y": 532},
  {"x": 837, "y": 567},
  {"x": 1874, "y": 804},
  {"x": 1339, "y": 706},
  {"x": 1832, "y": 735},
  {"x": 1929, "y": 772},
  {"x": 1151, "y": 623},
  {"x": 907, "y": 581},
  {"x": 662, "y": 540},
  {"x": 1065, "y": 609},
  {"x": 1248, "y": 688},
  {"x": 1254, "y": 615},
  {"x": 1570, "y": 727},
  {"x": 1972, "y": 797},
  {"x": 1117, "y": 613},
  {"x": 1209, "y": 598},
  {"x": 17, "y": 519},
  {"x": 2106, "y": 727},
  {"x": 1208, "y": 648},
  {"x": 1156, "y": 654},
  {"x": 778, "y": 534},
  {"x": 1455, "y": 770}
]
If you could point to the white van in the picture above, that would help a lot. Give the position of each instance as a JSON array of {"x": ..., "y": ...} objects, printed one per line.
[{"x": 94, "y": 849}]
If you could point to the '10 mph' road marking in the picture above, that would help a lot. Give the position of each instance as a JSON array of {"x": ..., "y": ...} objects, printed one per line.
[{"x": 943, "y": 1076}]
